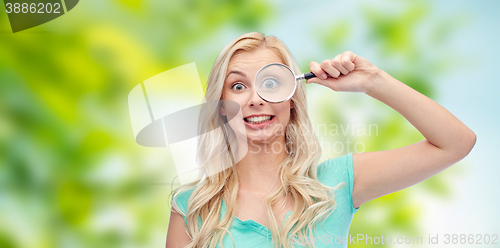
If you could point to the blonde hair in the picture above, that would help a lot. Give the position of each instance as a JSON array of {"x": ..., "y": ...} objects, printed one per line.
[{"x": 313, "y": 201}]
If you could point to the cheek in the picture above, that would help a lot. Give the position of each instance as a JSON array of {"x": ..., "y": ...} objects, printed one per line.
[
  {"x": 230, "y": 97},
  {"x": 235, "y": 99},
  {"x": 283, "y": 110}
]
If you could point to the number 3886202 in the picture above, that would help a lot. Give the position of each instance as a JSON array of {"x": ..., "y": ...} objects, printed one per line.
[{"x": 40, "y": 8}]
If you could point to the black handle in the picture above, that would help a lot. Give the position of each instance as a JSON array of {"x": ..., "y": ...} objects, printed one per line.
[{"x": 309, "y": 75}]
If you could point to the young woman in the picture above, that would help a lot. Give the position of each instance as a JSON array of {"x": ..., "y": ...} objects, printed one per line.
[{"x": 279, "y": 197}]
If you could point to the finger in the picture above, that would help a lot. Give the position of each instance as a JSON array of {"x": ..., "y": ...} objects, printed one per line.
[
  {"x": 316, "y": 69},
  {"x": 327, "y": 66},
  {"x": 347, "y": 60},
  {"x": 338, "y": 65},
  {"x": 331, "y": 83},
  {"x": 316, "y": 81}
]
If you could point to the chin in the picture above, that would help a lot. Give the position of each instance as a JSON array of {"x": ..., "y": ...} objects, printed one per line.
[{"x": 261, "y": 139}]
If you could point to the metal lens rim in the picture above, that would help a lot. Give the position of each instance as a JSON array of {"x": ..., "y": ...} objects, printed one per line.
[{"x": 294, "y": 88}]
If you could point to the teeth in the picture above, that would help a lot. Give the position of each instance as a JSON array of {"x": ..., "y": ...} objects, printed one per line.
[{"x": 258, "y": 119}]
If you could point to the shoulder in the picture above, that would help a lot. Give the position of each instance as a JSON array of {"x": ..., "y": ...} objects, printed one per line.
[
  {"x": 181, "y": 200},
  {"x": 336, "y": 170}
]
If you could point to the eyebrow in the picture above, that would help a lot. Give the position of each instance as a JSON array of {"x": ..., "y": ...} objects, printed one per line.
[{"x": 236, "y": 72}]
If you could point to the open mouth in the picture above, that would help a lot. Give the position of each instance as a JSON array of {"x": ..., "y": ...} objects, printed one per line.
[{"x": 258, "y": 119}]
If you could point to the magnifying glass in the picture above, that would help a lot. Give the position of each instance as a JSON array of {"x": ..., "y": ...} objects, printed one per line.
[{"x": 277, "y": 83}]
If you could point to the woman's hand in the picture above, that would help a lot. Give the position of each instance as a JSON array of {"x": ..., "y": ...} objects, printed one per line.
[{"x": 345, "y": 72}]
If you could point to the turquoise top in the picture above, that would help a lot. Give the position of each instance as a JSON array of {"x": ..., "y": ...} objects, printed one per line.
[{"x": 332, "y": 232}]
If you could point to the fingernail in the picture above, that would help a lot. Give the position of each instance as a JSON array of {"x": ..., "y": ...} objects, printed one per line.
[{"x": 323, "y": 76}]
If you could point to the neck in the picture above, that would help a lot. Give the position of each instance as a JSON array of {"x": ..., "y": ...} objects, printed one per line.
[{"x": 258, "y": 170}]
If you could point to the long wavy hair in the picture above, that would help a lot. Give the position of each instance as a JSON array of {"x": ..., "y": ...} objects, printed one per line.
[{"x": 313, "y": 201}]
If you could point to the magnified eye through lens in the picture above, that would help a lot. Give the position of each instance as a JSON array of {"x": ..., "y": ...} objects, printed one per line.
[{"x": 270, "y": 83}]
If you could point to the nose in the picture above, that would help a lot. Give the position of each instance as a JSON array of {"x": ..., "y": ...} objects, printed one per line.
[{"x": 255, "y": 99}]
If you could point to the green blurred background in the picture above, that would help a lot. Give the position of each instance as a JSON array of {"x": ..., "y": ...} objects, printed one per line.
[{"x": 71, "y": 174}]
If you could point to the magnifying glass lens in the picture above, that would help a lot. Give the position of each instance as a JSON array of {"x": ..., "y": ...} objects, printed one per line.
[{"x": 275, "y": 83}]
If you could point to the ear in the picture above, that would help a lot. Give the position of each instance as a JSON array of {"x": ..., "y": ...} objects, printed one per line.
[
  {"x": 222, "y": 110},
  {"x": 292, "y": 105}
]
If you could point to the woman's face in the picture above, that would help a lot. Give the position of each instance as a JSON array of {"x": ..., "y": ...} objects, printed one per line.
[{"x": 264, "y": 122}]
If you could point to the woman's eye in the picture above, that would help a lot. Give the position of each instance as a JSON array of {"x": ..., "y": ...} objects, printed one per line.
[
  {"x": 269, "y": 84},
  {"x": 238, "y": 86}
]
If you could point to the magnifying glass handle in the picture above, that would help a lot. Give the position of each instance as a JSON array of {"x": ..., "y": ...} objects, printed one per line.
[
  {"x": 305, "y": 76},
  {"x": 309, "y": 75}
]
